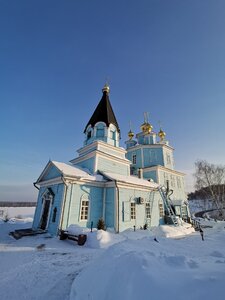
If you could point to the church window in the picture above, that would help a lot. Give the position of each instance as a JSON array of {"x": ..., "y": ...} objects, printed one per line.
[
  {"x": 54, "y": 215},
  {"x": 132, "y": 170},
  {"x": 147, "y": 210},
  {"x": 168, "y": 159},
  {"x": 132, "y": 211},
  {"x": 161, "y": 210},
  {"x": 89, "y": 135},
  {"x": 178, "y": 183},
  {"x": 166, "y": 178},
  {"x": 84, "y": 209},
  {"x": 112, "y": 135},
  {"x": 100, "y": 132},
  {"x": 134, "y": 159},
  {"x": 172, "y": 178},
  {"x": 152, "y": 157}
]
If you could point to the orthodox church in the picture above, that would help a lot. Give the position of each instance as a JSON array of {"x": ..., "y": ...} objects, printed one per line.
[{"x": 134, "y": 187}]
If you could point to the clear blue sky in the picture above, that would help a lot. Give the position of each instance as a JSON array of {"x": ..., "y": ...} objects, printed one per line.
[{"x": 163, "y": 57}]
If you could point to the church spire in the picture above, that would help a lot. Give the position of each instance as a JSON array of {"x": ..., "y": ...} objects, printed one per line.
[{"x": 103, "y": 112}]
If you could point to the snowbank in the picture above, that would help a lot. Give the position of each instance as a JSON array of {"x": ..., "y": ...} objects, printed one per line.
[
  {"x": 179, "y": 269},
  {"x": 131, "y": 265},
  {"x": 174, "y": 231}
]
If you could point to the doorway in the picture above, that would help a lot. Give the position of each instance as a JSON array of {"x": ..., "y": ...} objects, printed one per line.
[{"x": 45, "y": 214}]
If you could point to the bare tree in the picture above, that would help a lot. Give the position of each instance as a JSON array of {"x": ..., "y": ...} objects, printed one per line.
[{"x": 211, "y": 178}]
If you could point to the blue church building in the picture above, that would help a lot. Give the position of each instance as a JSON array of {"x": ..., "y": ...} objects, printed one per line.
[{"x": 134, "y": 187}]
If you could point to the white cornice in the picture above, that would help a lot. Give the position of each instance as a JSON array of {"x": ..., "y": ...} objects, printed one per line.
[
  {"x": 100, "y": 154},
  {"x": 135, "y": 187},
  {"x": 158, "y": 167},
  {"x": 53, "y": 181},
  {"x": 84, "y": 157},
  {"x": 149, "y": 146},
  {"x": 114, "y": 158},
  {"x": 96, "y": 143}
]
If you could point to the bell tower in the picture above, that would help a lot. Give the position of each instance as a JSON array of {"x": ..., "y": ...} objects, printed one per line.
[{"x": 103, "y": 125}]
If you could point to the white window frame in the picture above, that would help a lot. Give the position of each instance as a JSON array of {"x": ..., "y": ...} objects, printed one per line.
[
  {"x": 161, "y": 210},
  {"x": 134, "y": 158},
  {"x": 178, "y": 183},
  {"x": 148, "y": 210},
  {"x": 83, "y": 216},
  {"x": 168, "y": 158},
  {"x": 133, "y": 211}
]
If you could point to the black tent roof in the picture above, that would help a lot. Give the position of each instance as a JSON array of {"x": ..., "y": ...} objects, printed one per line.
[{"x": 103, "y": 113}]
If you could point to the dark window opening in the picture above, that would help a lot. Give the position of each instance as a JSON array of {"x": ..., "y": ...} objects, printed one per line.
[{"x": 54, "y": 215}]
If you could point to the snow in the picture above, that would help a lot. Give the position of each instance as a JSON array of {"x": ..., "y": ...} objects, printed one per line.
[
  {"x": 167, "y": 262},
  {"x": 20, "y": 212},
  {"x": 71, "y": 171},
  {"x": 130, "y": 179}
]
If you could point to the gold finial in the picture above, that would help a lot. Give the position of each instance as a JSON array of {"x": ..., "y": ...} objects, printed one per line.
[
  {"x": 130, "y": 133},
  {"x": 161, "y": 133},
  {"x": 146, "y": 127},
  {"x": 106, "y": 86}
]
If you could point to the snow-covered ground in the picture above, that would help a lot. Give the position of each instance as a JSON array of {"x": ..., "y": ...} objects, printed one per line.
[
  {"x": 131, "y": 265},
  {"x": 19, "y": 212}
]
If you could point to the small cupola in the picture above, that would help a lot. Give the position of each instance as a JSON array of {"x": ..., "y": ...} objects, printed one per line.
[
  {"x": 161, "y": 135},
  {"x": 146, "y": 127},
  {"x": 103, "y": 124}
]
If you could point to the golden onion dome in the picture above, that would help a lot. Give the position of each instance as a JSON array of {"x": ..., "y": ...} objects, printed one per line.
[
  {"x": 146, "y": 127},
  {"x": 161, "y": 134},
  {"x": 130, "y": 135}
]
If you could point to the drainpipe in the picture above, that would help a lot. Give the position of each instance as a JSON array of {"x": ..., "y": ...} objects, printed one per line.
[
  {"x": 68, "y": 214},
  {"x": 103, "y": 206},
  {"x": 63, "y": 202},
  {"x": 117, "y": 208},
  {"x": 36, "y": 186}
]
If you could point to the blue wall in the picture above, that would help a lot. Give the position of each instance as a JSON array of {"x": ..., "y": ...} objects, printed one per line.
[
  {"x": 109, "y": 207},
  {"x": 87, "y": 164},
  {"x": 72, "y": 209},
  {"x": 53, "y": 172},
  {"x": 58, "y": 190}
]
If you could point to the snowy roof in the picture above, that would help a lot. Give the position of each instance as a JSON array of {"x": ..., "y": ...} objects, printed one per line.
[
  {"x": 130, "y": 179},
  {"x": 72, "y": 171}
]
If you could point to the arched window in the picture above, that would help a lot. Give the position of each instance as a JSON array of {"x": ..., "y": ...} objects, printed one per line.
[
  {"x": 88, "y": 134},
  {"x": 84, "y": 208},
  {"x": 100, "y": 129},
  {"x": 54, "y": 215}
]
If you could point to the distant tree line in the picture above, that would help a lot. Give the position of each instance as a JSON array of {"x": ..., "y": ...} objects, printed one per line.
[
  {"x": 17, "y": 204},
  {"x": 210, "y": 183}
]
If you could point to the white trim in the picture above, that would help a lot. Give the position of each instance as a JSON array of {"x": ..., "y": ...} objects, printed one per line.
[
  {"x": 95, "y": 163},
  {"x": 116, "y": 209},
  {"x": 124, "y": 161},
  {"x": 100, "y": 123},
  {"x": 70, "y": 201},
  {"x": 81, "y": 200},
  {"x": 165, "y": 169},
  {"x": 96, "y": 144},
  {"x": 53, "y": 181},
  {"x": 42, "y": 209},
  {"x": 149, "y": 146}
]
